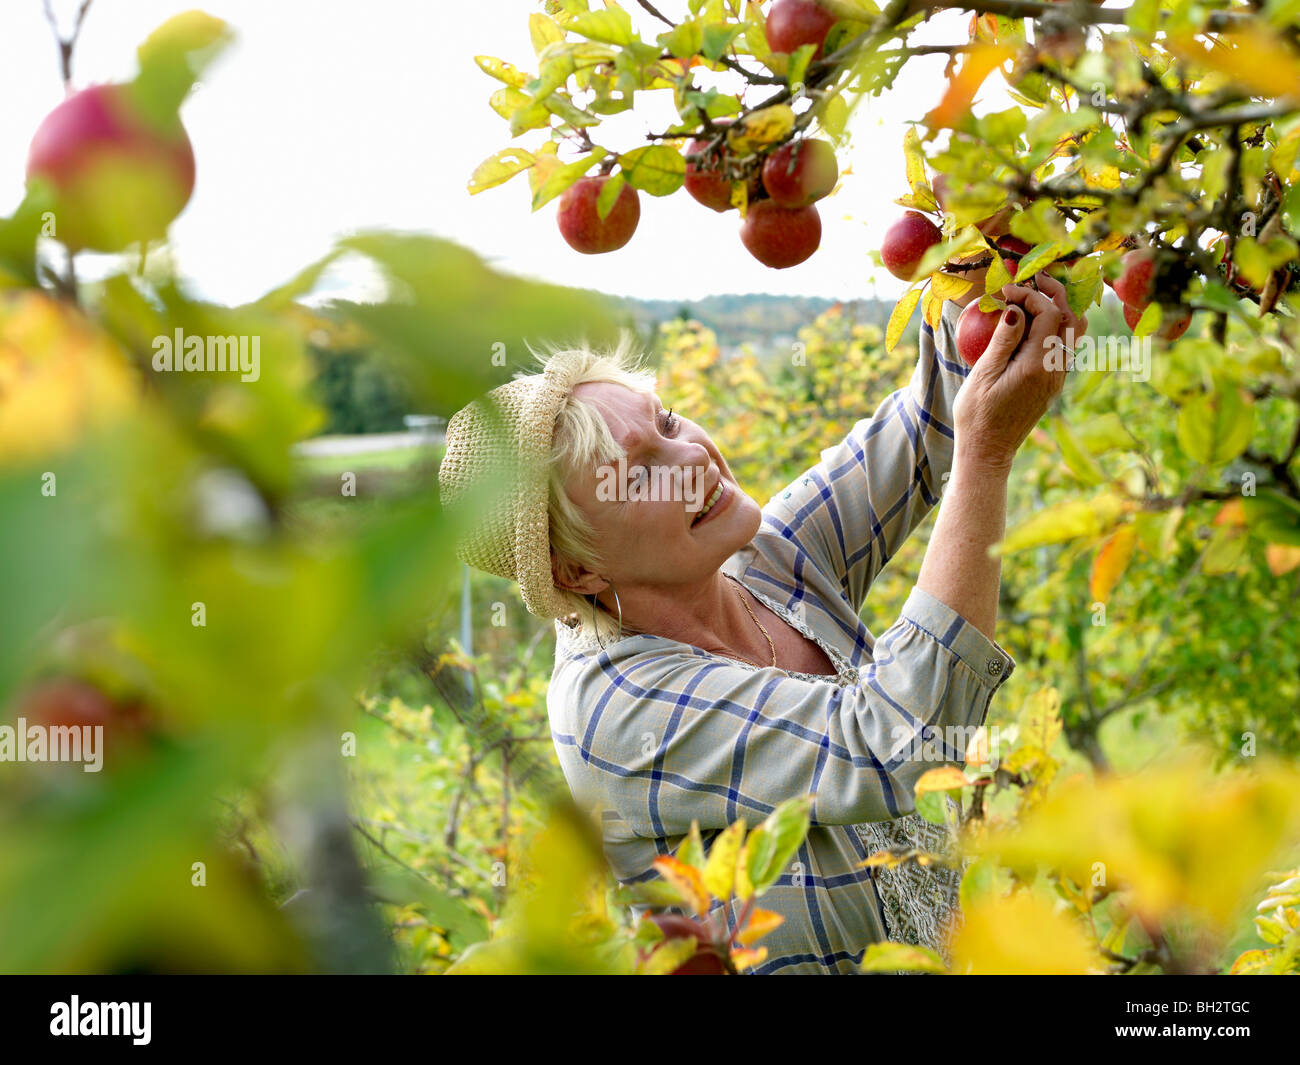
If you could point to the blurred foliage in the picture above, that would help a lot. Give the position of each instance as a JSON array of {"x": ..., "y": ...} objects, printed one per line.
[{"x": 293, "y": 733}]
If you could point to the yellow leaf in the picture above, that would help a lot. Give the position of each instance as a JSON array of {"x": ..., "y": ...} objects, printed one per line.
[
  {"x": 747, "y": 959},
  {"x": 1111, "y": 561},
  {"x": 757, "y": 130},
  {"x": 759, "y": 924},
  {"x": 688, "y": 881},
  {"x": 1021, "y": 935},
  {"x": 901, "y": 957},
  {"x": 1281, "y": 558},
  {"x": 932, "y": 308},
  {"x": 901, "y": 315},
  {"x": 1067, "y": 520},
  {"x": 669, "y": 955},
  {"x": 720, "y": 870},
  {"x": 1253, "y": 56},
  {"x": 949, "y": 286},
  {"x": 945, "y": 778},
  {"x": 1040, "y": 719}
]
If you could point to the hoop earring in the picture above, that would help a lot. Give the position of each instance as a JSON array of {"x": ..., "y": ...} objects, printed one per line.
[{"x": 595, "y": 627}]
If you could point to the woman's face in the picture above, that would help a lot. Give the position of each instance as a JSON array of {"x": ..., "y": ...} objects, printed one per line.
[{"x": 651, "y": 522}]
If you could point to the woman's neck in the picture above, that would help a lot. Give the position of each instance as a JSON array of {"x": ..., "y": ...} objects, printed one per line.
[{"x": 710, "y": 615}]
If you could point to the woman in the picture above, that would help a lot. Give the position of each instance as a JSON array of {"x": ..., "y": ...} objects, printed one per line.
[{"x": 712, "y": 663}]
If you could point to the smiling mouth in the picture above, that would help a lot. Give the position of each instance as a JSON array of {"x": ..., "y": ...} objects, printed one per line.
[{"x": 718, "y": 494}]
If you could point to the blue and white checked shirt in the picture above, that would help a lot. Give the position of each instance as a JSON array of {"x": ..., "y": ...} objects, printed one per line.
[{"x": 656, "y": 734}]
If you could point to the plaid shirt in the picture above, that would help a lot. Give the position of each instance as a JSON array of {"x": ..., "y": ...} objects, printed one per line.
[{"x": 655, "y": 733}]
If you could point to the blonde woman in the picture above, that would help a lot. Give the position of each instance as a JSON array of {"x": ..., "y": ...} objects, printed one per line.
[{"x": 711, "y": 663}]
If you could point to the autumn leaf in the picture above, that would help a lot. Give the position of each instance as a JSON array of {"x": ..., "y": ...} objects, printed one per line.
[
  {"x": 688, "y": 880},
  {"x": 978, "y": 64},
  {"x": 1110, "y": 562}
]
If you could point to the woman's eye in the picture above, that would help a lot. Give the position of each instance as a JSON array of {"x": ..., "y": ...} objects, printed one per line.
[{"x": 670, "y": 423}]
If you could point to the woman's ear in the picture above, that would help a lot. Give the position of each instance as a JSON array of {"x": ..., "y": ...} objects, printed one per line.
[{"x": 574, "y": 577}]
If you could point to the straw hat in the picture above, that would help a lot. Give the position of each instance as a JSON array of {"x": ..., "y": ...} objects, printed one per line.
[{"x": 500, "y": 447}]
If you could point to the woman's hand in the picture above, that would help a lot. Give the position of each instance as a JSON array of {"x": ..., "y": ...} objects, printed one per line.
[{"x": 1011, "y": 386}]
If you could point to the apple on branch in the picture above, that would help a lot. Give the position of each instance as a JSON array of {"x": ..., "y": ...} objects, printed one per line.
[
  {"x": 975, "y": 330},
  {"x": 801, "y": 172},
  {"x": 117, "y": 174},
  {"x": 793, "y": 23},
  {"x": 781, "y": 237},
  {"x": 706, "y": 179},
  {"x": 580, "y": 221},
  {"x": 906, "y": 243}
]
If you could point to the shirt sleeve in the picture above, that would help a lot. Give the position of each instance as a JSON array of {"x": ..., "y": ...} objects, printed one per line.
[
  {"x": 855, "y": 508},
  {"x": 671, "y": 738}
]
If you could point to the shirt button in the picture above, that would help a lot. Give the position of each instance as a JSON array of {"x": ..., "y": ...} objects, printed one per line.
[{"x": 995, "y": 667}]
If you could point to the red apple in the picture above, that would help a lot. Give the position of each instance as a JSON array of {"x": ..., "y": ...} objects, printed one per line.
[
  {"x": 710, "y": 185},
  {"x": 906, "y": 243},
  {"x": 117, "y": 176},
  {"x": 1133, "y": 286},
  {"x": 801, "y": 172},
  {"x": 794, "y": 23},
  {"x": 781, "y": 237},
  {"x": 1015, "y": 244},
  {"x": 707, "y": 960},
  {"x": 1173, "y": 324},
  {"x": 69, "y": 702},
  {"x": 580, "y": 221},
  {"x": 974, "y": 331}
]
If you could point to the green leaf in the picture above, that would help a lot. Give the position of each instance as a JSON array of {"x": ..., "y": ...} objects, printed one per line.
[
  {"x": 717, "y": 39},
  {"x": 799, "y": 61},
  {"x": 1076, "y": 457},
  {"x": 609, "y": 193},
  {"x": 612, "y": 26},
  {"x": 933, "y": 807},
  {"x": 1215, "y": 429},
  {"x": 901, "y": 957},
  {"x": 656, "y": 169},
  {"x": 772, "y": 845},
  {"x": 1273, "y": 517},
  {"x": 914, "y": 158},
  {"x": 499, "y": 168},
  {"x": 1039, "y": 257},
  {"x": 563, "y": 176},
  {"x": 683, "y": 41}
]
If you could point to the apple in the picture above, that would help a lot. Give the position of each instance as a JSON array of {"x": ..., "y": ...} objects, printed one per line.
[
  {"x": 118, "y": 177},
  {"x": 793, "y": 23},
  {"x": 1133, "y": 286},
  {"x": 781, "y": 237},
  {"x": 708, "y": 959},
  {"x": 1015, "y": 244},
  {"x": 801, "y": 172},
  {"x": 580, "y": 221},
  {"x": 974, "y": 331},
  {"x": 1172, "y": 325},
  {"x": 709, "y": 186},
  {"x": 906, "y": 243},
  {"x": 70, "y": 702}
]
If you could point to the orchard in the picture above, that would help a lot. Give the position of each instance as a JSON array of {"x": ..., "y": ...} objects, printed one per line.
[{"x": 305, "y": 767}]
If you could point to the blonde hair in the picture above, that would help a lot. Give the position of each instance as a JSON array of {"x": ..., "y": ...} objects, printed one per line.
[{"x": 582, "y": 440}]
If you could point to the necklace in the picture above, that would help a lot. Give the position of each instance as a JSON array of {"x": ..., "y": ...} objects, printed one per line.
[{"x": 770, "y": 646}]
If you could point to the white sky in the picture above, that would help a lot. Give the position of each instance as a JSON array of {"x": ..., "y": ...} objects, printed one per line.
[{"x": 329, "y": 116}]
